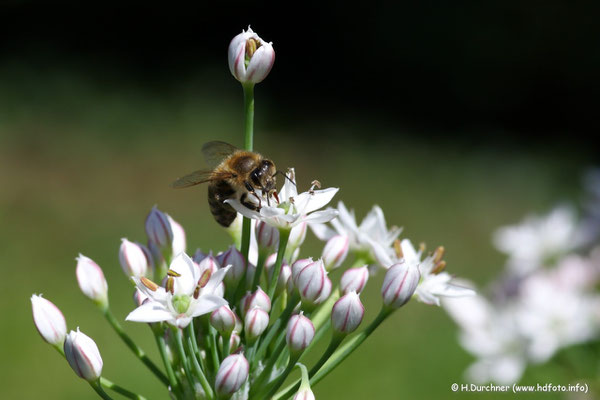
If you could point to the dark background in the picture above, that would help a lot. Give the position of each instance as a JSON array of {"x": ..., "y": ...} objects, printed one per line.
[{"x": 517, "y": 69}]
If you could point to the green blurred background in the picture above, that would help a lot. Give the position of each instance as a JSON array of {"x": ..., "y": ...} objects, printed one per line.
[{"x": 101, "y": 108}]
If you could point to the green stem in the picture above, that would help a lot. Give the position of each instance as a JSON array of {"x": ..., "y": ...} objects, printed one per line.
[
  {"x": 281, "y": 378},
  {"x": 183, "y": 356},
  {"x": 318, "y": 336},
  {"x": 339, "y": 356},
  {"x": 282, "y": 320},
  {"x": 249, "y": 113},
  {"x": 213, "y": 349},
  {"x": 162, "y": 348},
  {"x": 266, "y": 372},
  {"x": 260, "y": 264},
  {"x": 226, "y": 339},
  {"x": 336, "y": 340},
  {"x": 139, "y": 353},
  {"x": 98, "y": 388},
  {"x": 118, "y": 389},
  {"x": 284, "y": 235},
  {"x": 192, "y": 348}
]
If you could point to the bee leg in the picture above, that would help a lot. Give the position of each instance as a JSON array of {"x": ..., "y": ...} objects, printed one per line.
[
  {"x": 252, "y": 191},
  {"x": 249, "y": 204}
]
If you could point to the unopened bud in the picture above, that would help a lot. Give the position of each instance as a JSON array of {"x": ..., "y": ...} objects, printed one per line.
[
  {"x": 223, "y": 320},
  {"x": 238, "y": 266},
  {"x": 91, "y": 280},
  {"x": 83, "y": 355},
  {"x": 178, "y": 244},
  {"x": 311, "y": 281},
  {"x": 399, "y": 284},
  {"x": 49, "y": 320},
  {"x": 347, "y": 313},
  {"x": 267, "y": 236},
  {"x": 300, "y": 332},
  {"x": 250, "y": 57},
  {"x": 335, "y": 251},
  {"x": 255, "y": 322},
  {"x": 232, "y": 374},
  {"x": 354, "y": 279},
  {"x": 158, "y": 228},
  {"x": 132, "y": 259}
]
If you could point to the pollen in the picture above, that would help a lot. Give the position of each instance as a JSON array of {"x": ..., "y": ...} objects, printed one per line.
[{"x": 149, "y": 284}]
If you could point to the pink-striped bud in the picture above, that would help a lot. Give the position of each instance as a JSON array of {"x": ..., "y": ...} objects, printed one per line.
[
  {"x": 300, "y": 332},
  {"x": 250, "y": 57},
  {"x": 223, "y": 320},
  {"x": 178, "y": 244},
  {"x": 347, "y": 313},
  {"x": 139, "y": 297},
  {"x": 49, "y": 320},
  {"x": 354, "y": 279},
  {"x": 238, "y": 266},
  {"x": 209, "y": 263},
  {"x": 91, "y": 280},
  {"x": 232, "y": 374},
  {"x": 83, "y": 356},
  {"x": 311, "y": 281},
  {"x": 199, "y": 255},
  {"x": 326, "y": 292},
  {"x": 234, "y": 340},
  {"x": 267, "y": 236},
  {"x": 335, "y": 251},
  {"x": 258, "y": 299},
  {"x": 304, "y": 394},
  {"x": 132, "y": 259},
  {"x": 399, "y": 284},
  {"x": 299, "y": 265},
  {"x": 255, "y": 322},
  {"x": 158, "y": 228},
  {"x": 297, "y": 235},
  {"x": 284, "y": 273}
]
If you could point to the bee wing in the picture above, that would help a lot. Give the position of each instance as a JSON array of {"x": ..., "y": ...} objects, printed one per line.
[
  {"x": 200, "y": 176},
  {"x": 215, "y": 151}
]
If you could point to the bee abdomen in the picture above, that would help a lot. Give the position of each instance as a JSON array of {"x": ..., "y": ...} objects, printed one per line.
[{"x": 218, "y": 192}]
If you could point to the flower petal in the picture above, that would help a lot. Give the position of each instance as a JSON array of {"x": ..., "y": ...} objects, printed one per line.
[
  {"x": 321, "y": 216},
  {"x": 151, "y": 311},
  {"x": 189, "y": 274},
  {"x": 310, "y": 201},
  {"x": 205, "y": 304}
]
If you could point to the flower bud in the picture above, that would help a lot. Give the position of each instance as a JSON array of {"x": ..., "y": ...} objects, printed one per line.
[
  {"x": 311, "y": 281},
  {"x": 354, "y": 279},
  {"x": 285, "y": 276},
  {"x": 49, "y": 320},
  {"x": 304, "y": 394},
  {"x": 223, "y": 320},
  {"x": 399, "y": 284},
  {"x": 297, "y": 235},
  {"x": 298, "y": 266},
  {"x": 238, "y": 266},
  {"x": 300, "y": 332},
  {"x": 325, "y": 292},
  {"x": 132, "y": 259},
  {"x": 335, "y": 251},
  {"x": 158, "y": 228},
  {"x": 91, "y": 280},
  {"x": 347, "y": 313},
  {"x": 139, "y": 297},
  {"x": 83, "y": 356},
  {"x": 250, "y": 58},
  {"x": 209, "y": 262},
  {"x": 255, "y": 322},
  {"x": 234, "y": 340},
  {"x": 232, "y": 374},
  {"x": 178, "y": 244},
  {"x": 284, "y": 273},
  {"x": 267, "y": 236},
  {"x": 257, "y": 299},
  {"x": 199, "y": 255}
]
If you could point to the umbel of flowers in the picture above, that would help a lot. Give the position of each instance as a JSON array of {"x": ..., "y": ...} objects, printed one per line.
[{"x": 234, "y": 324}]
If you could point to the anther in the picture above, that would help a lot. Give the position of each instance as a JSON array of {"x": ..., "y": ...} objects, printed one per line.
[
  {"x": 175, "y": 274},
  {"x": 398, "y": 248},
  {"x": 148, "y": 283},
  {"x": 170, "y": 284}
]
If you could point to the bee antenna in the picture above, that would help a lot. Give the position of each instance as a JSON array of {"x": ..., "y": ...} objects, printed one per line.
[{"x": 285, "y": 176}]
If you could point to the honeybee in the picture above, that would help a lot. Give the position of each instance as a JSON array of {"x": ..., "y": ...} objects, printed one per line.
[{"x": 236, "y": 174}]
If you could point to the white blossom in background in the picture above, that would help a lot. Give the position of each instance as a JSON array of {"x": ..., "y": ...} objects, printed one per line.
[
  {"x": 538, "y": 241},
  {"x": 370, "y": 238},
  {"x": 293, "y": 208},
  {"x": 186, "y": 300}
]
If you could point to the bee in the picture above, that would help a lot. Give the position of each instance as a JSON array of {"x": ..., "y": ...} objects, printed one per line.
[{"x": 235, "y": 174}]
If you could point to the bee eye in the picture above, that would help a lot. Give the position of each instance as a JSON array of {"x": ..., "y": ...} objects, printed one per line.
[{"x": 255, "y": 177}]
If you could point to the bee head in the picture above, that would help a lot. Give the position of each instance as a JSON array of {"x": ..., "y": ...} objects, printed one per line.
[{"x": 263, "y": 176}]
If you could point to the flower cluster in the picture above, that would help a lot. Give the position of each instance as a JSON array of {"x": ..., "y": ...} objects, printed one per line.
[
  {"x": 545, "y": 301},
  {"x": 235, "y": 323}
]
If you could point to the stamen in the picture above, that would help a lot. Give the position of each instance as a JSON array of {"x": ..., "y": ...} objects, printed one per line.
[
  {"x": 251, "y": 46},
  {"x": 170, "y": 272},
  {"x": 170, "y": 284},
  {"x": 204, "y": 278},
  {"x": 439, "y": 254},
  {"x": 439, "y": 267},
  {"x": 398, "y": 248},
  {"x": 276, "y": 197},
  {"x": 314, "y": 184},
  {"x": 149, "y": 284},
  {"x": 422, "y": 247},
  {"x": 197, "y": 292}
]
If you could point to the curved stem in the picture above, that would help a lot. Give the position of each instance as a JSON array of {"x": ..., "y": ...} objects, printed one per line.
[
  {"x": 197, "y": 369},
  {"x": 162, "y": 348},
  {"x": 183, "y": 356},
  {"x": 98, "y": 388},
  {"x": 336, "y": 340},
  {"x": 118, "y": 389},
  {"x": 284, "y": 235},
  {"x": 137, "y": 351},
  {"x": 281, "y": 378}
]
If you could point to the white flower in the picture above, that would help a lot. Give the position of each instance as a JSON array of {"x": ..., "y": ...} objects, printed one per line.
[
  {"x": 250, "y": 57},
  {"x": 293, "y": 208},
  {"x": 49, "y": 320},
  {"x": 91, "y": 280},
  {"x": 371, "y": 238},
  {"x": 538, "y": 241},
  {"x": 190, "y": 295},
  {"x": 435, "y": 282},
  {"x": 83, "y": 355},
  {"x": 491, "y": 335}
]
